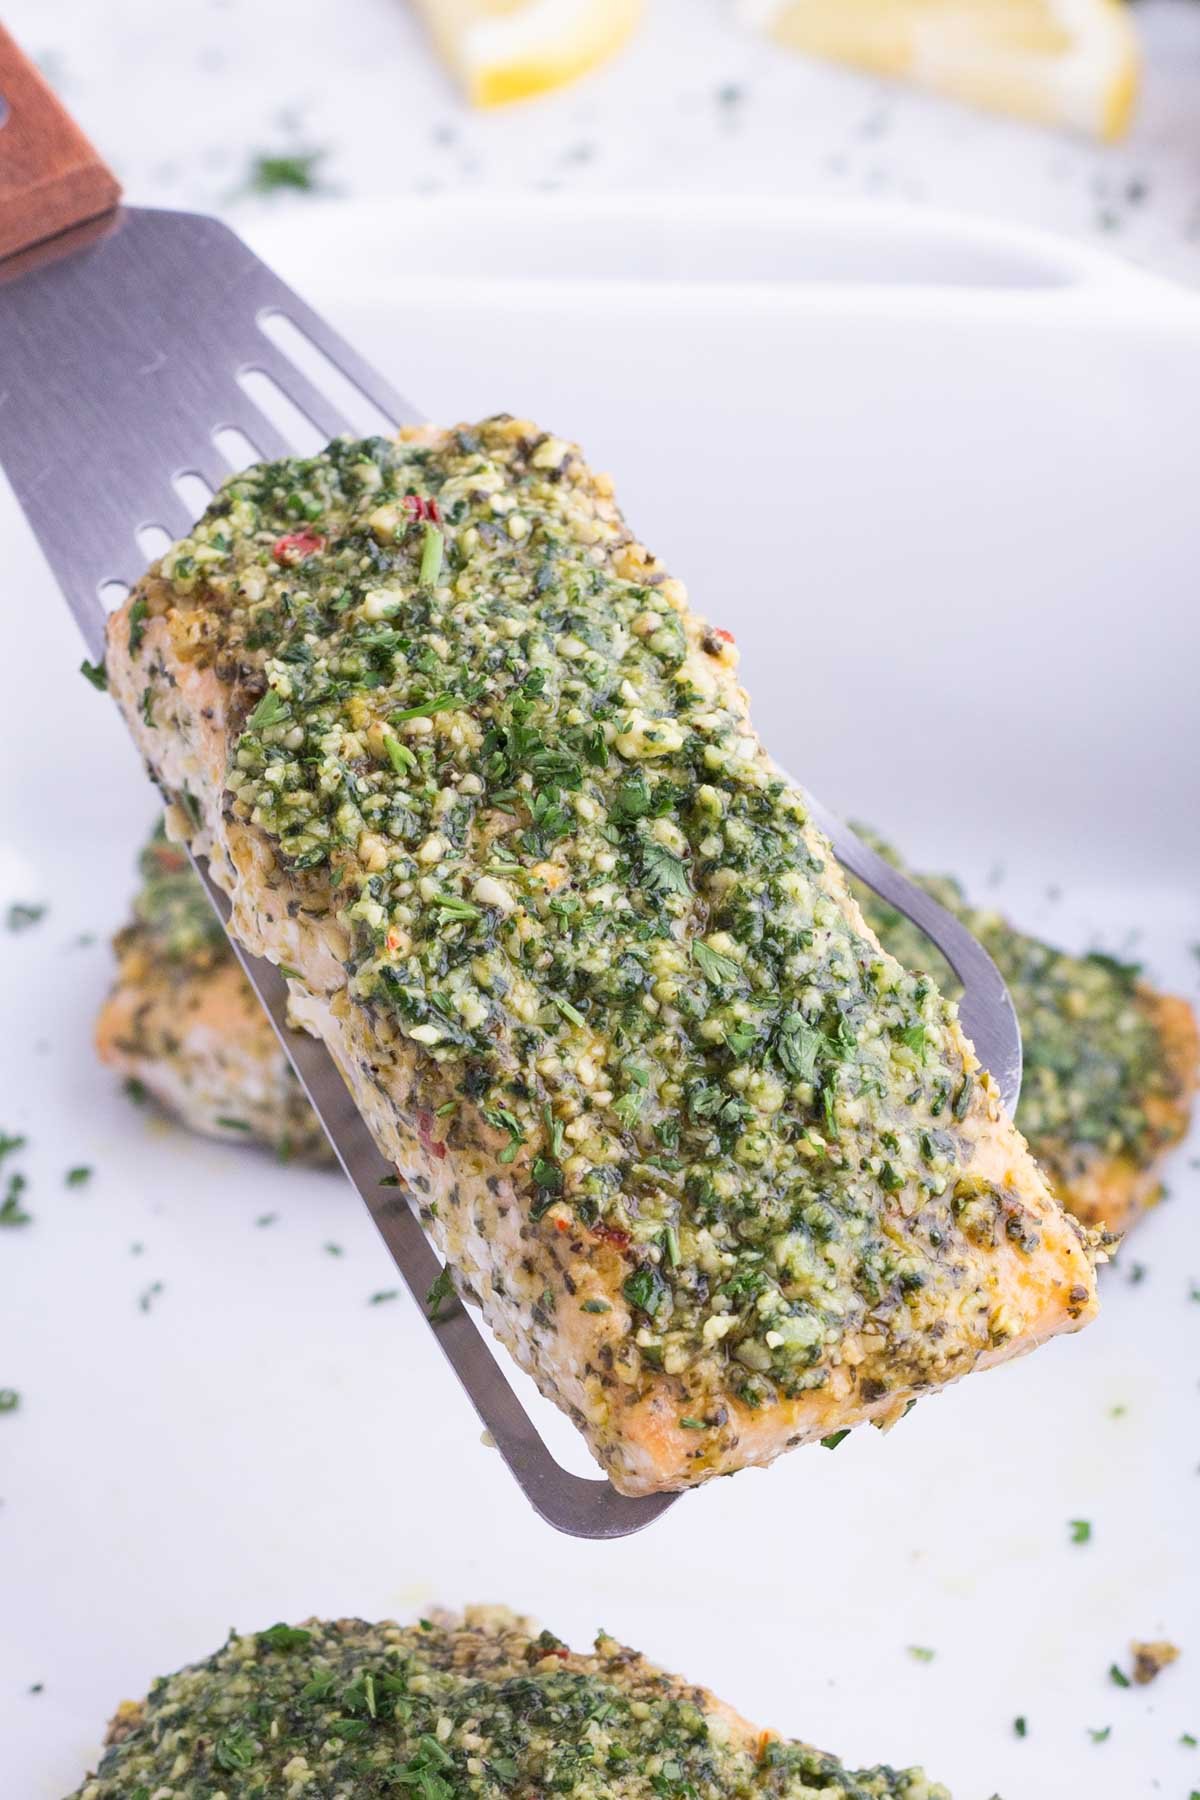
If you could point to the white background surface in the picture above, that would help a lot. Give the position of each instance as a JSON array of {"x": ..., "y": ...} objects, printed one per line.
[
  {"x": 954, "y": 531},
  {"x": 180, "y": 96}
]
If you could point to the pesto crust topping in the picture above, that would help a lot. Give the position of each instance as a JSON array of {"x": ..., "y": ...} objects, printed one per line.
[
  {"x": 173, "y": 922},
  {"x": 483, "y": 1706},
  {"x": 484, "y": 737},
  {"x": 1100, "y": 1079}
]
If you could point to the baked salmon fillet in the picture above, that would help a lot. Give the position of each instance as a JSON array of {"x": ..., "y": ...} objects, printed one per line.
[
  {"x": 482, "y": 1704},
  {"x": 1111, "y": 1064},
  {"x": 721, "y": 1173},
  {"x": 182, "y": 1024}
]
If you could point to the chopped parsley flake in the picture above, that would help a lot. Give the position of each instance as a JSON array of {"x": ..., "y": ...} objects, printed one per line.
[
  {"x": 22, "y": 914},
  {"x": 12, "y": 1212},
  {"x": 293, "y": 172},
  {"x": 442, "y": 1289}
]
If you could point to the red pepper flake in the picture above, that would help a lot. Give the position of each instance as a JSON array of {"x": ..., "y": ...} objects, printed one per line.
[
  {"x": 296, "y": 547},
  {"x": 562, "y": 1224},
  {"x": 612, "y": 1234},
  {"x": 392, "y": 940},
  {"x": 726, "y": 637},
  {"x": 170, "y": 859},
  {"x": 420, "y": 508},
  {"x": 429, "y": 1143}
]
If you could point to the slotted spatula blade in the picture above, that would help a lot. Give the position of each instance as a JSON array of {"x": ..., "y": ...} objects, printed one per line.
[{"x": 125, "y": 362}]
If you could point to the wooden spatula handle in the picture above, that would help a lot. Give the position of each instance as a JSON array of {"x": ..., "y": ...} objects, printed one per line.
[{"x": 50, "y": 176}]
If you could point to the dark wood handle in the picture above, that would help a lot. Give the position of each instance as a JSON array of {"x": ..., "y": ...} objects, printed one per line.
[{"x": 50, "y": 177}]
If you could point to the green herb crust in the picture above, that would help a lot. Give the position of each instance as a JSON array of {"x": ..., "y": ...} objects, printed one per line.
[
  {"x": 443, "y": 1710},
  {"x": 172, "y": 918},
  {"x": 1109, "y": 1064},
  {"x": 476, "y": 774}
]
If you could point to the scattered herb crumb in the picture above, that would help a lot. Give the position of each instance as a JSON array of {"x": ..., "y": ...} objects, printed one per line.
[
  {"x": 37, "y": 1687},
  {"x": 149, "y": 1295},
  {"x": 383, "y": 1295},
  {"x": 1149, "y": 1660},
  {"x": 1117, "y": 1676},
  {"x": 1021, "y": 1726},
  {"x": 78, "y": 1176},
  {"x": 136, "y": 1091},
  {"x": 9, "y": 1143},
  {"x": 96, "y": 673},
  {"x": 1081, "y": 1531},
  {"x": 921, "y": 1653},
  {"x": 266, "y": 1218},
  {"x": 835, "y": 1438},
  {"x": 1188, "y": 1741},
  {"x": 1099, "y": 1734},
  {"x": 24, "y": 913},
  {"x": 9, "y": 1400},
  {"x": 11, "y": 1210},
  {"x": 233, "y": 1124},
  {"x": 334, "y": 1250},
  {"x": 294, "y": 173}
]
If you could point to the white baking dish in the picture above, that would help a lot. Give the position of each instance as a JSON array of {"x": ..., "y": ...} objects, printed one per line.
[{"x": 940, "y": 480}]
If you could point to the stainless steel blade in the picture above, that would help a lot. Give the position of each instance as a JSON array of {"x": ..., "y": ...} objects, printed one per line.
[
  {"x": 569, "y": 1502},
  {"x": 121, "y": 360}
]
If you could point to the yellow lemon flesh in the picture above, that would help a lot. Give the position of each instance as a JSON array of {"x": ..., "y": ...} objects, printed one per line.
[
  {"x": 503, "y": 50},
  {"x": 1063, "y": 62}
]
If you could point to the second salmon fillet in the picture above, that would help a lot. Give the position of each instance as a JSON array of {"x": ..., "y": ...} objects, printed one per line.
[{"x": 722, "y": 1174}]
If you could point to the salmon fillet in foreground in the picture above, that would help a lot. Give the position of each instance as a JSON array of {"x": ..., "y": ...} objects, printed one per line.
[
  {"x": 475, "y": 1704},
  {"x": 722, "y": 1175}
]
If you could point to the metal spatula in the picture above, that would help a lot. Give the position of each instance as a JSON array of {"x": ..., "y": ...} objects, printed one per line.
[{"x": 123, "y": 347}]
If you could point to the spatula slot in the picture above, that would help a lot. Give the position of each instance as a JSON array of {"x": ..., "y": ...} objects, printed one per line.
[
  {"x": 153, "y": 541},
  {"x": 113, "y": 594},
  {"x": 236, "y": 447},
  {"x": 306, "y": 437},
  {"x": 193, "y": 491},
  {"x": 359, "y": 412}
]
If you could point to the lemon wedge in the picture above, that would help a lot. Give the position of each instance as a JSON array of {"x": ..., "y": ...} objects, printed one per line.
[
  {"x": 1063, "y": 62},
  {"x": 509, "y": 49}
]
